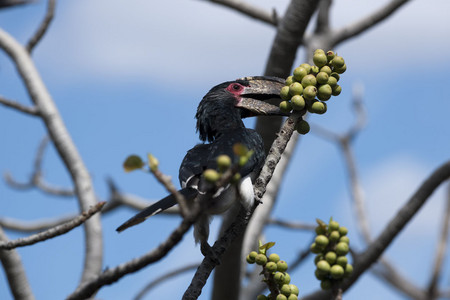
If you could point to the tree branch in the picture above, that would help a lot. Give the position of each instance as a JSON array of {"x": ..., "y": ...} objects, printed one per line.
[
  {"x": 15, "y": 272},
  {"x": 432, "y": 289},
  {"x": 32, "y": 111},
  {"x": 52, "y": 232},
  {"x": 374, "y": 250},
  {"x": 366, "y": 22},
  {"x": 66, "y": 150},
  {"x": 250, "y": 10},
  {"x": 164, "y": 277},
  {"x": 34, "y": 40},
  {"x": 238, "y": 226}
]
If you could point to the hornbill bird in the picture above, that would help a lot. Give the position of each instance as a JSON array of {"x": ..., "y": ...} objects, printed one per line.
[{"x": 220, "y": 126}]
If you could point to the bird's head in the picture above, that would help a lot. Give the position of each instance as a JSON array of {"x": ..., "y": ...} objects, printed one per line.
[{"x": 226, "y": 104}]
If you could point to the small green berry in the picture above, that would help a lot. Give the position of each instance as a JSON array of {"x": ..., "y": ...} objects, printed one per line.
[
  {"x": 342, "y": 248},
  {"x": 323, "y": 267},
  {"x": 319, "y": 275},
  {"x": 310, "y": 92},
  {"x": 302, "y": 127},
  {"x": 325, "y": 284},
  {"x": 314, "y": 70},
  {"x": 333, "y": 225},
  {"x": 322, "y": 77},
  {"x": 348, "y": 270},
  {"x": 319, "y": 51},
  {"x": 285, "y": 289},
  {"x": 299, "y": 73},
  {"x": 295, "y": 89},
  {"x": 279, "y": 277},
  {"x": 289, "y": 80},
  {"x": 337, "y": 272},
  {"x": 330, "y": 257},
  {"x": 274, "y": 257},
  {"x": 324, "y": 92},
  {"x": 335, "y": 75},
  {"x": 292, "y": 297},
  {"x": 284, "y": 93},
  {"x": 236, "y": 178},
  {"x": 211, "y": 175},
  {"x": 223, "y": 162},
  {"x": 332, "y": 81},
  {"x": 341, "y": 70},
  {"x": 271, "y": 267},
  {"x": 261, "y": 259},
  {"x": 345, "y": 239},
  {"x": 253, "y": 254},
  {"x": 298, "y": 102},
  {"x": 343, "y": 230},
  {"x": 338, "y": 62},
  {"x": 326, "y": 69},
  {"x": 294, "y": 289},
  {"x": 281, "y": 297},
  {"x": 307, "y": 67},
  {"x": 320, "y": 229},
  {"x": 282, "y": 266},
  {"x": 321, "y": 241},
  {"x": 334, "y": 236},
  {"x": 250, "y": 260},
  {"x": 309, "y": 80},
  {"x": 285, "y": 106},
  {"x": 262, "y": 297},
  {"x": 342, "y": 260},
  {"x": 320, "y": 59},
  {"x": 318, "y": 107},
  {"x": 287, "y": 278},
  {"x": 337, "y": 89},
  {"x": 330, "y": 55}
]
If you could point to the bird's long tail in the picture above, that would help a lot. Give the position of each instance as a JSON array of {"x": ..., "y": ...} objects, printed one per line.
[{"x": 156, "y": 208}]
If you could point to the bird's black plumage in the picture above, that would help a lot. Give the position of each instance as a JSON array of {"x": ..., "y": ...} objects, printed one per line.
[{"x": 219, "y": 124}]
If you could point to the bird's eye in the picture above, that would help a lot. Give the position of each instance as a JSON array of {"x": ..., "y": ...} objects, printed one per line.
[{"x": 235, "y": 87}]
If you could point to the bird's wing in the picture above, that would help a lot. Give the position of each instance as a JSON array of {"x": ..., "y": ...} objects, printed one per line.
[{"x": 157, "y": 207}]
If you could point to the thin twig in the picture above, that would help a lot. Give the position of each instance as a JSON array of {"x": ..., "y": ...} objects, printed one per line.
[
  {"x": 52, "y": 232},
  {"x": 167, "y": 183},
  {"x": 432, "y": 289},
  {"x": 366, "y": 22},
  {"x": 32, "y": 111},
  {"x": 250, "y": 10},
  {"x": 291, "y": 225},
  {"x": 34, "y": 40},
  {"x": 164, "y": 277},
  {"x": 36, "y": 180}
]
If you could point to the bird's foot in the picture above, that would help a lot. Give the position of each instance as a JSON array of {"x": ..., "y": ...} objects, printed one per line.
[{"x": 208, "y": 251}]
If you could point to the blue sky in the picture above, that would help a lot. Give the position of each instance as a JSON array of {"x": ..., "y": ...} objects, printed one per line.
[{"x": 127, "y": 78}]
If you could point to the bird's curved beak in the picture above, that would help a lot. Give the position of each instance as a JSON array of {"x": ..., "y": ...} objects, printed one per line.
[{"x": 262, "y": 96}]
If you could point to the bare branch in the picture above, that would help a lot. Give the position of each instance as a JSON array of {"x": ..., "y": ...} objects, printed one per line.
[
  {"x": 109, "y": 276},
  {"x": 366, "y": 22},
  {"x": 33, "y": 111},
  {"x": 36, "y": 180},
  {"x": 10, "y": 3},
  {"x": 432, "y": 289},
  {"x": 66, "y": 150},
  {"x": 52, "y": 232},
  {"x": 323, "y": 17},
  {"x": 33, "y": 226},
  {"x": 250, "y": 10},
  {"x": 292, "y": 225},
  {"x": 15, "y": 272},
  {"x": 167, "y": 183},
  {"x": 164, "y": 277},
  {"x": 43, "y": 27}
]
